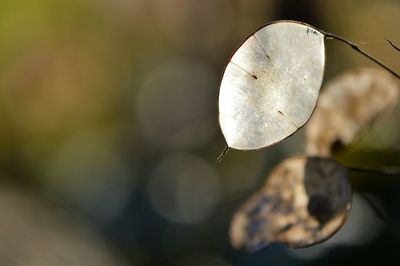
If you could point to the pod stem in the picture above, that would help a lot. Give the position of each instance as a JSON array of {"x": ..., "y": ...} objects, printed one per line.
[
  {"x": 392, "y": 44},
  {"x": 379, "y": 213},
  {"x": 392, "y": 171},
  {"x": 223, "y": 153},
  {"x": 357, "y": 49}
]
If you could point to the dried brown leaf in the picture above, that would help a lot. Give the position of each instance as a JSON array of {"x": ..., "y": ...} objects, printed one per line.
[
  {"x": 348, "y": 105},
  {"x": 304, "y": 201}
]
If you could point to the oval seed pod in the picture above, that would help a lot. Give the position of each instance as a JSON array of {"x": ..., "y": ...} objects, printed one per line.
[
  {"x": 304, "y": 201},
  {"x": 271, "y": 84},
  {"x": 347, "y": 106}
]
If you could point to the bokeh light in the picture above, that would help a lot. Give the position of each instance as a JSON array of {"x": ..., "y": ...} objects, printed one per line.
[
  {"x": 184, "y": 188},
  {"x": 174, "y": 107},
  {"x": 87, "y": 168}
]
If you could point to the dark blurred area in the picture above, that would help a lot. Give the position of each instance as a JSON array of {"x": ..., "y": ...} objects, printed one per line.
[{"x": 109, "y": 132}]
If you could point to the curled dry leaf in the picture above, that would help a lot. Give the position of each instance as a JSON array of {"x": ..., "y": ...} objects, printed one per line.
[
  {"x": 271, "y": 84},
  {"x": 347, "y": 106},
  {"x": 304, "y": 201}
]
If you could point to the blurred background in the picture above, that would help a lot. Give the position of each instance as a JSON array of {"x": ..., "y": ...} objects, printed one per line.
[{"x": 109, "y": 132}]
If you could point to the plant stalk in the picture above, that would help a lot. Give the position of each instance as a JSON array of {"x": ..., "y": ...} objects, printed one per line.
[{"x": 356, "y": 48}]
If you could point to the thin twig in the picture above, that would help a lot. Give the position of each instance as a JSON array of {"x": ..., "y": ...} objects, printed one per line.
[
  {"x": 388, "y": 171},
  {"x": 219, "y": 158},
  {"x": 392, "y": 44},
  {"x": 356, "y": 48},
  {"x": 378, "y": 211}
]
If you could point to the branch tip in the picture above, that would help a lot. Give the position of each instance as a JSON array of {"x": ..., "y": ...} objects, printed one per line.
[{"x": 223, "y": 153}]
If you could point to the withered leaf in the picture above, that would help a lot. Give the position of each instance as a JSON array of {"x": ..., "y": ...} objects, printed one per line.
[
  {"x": 348, "y": 105},
  {"x": 304, "y": 201}
]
